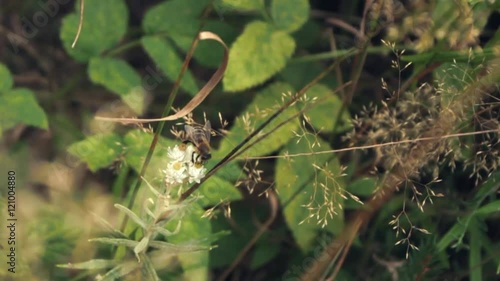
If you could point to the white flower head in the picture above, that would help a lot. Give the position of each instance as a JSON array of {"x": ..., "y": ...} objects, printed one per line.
[
  {"x": 181, "y": 165},
  {"x": 175, "y": 172},
  {"x": 196, "y": 172},
  {"x": 176, "y": 154}
]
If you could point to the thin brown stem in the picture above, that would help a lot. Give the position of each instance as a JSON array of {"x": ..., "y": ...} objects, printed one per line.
[
  {"x": 364, "y": 147},
  {"x": 273, "y": 203}
]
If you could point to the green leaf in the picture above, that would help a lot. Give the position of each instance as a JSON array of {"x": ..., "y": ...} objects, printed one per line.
[
  {"x": 301, "y": 74},
  {"x": 363, "y": 187},
  {"x": 97, "y": 151},
  {"x": 165, "y": 56},
  {"x": 264, "y": 252},
  {"x": 493, "y": 207},
  {"x": 119, "y": 77},
  {"x": 174, "y": 17},
  {"x": 244, "y": 5},
  {"x": 230, "y": 246},
  {"x": 107, "y": 227},
  {"x": 487, "y": 188},
  {"x": 290, "y": 15},
  {"x": 456, "y": 232},
  {"x": 256, "y": 55},
  {"x": 266, "y": 102},
  {"x": 6, "y": 81},
  {"x": 216, "y": 190},
  {"x": 135, "y": 218},
  {"x": 91, "y": 264},
  {"x": 325, "y": 109},
  {"x": 178, "y": 247},
  {"x": 230, "y": 171},
  {"x": 19, "y": 106},
  {"x": 193, "y": 227},
  {"x": 305, "y": 190},
  {"x": 119, "y": 271},
  {"x": 115, "y": 241},
  {"x": 104, "y": 24},
  {"x": 491, "y": 248},
  {"x": 148, "y": 271},
  {"x": 137, "y": 144},
  {"x": 309, "y": 35},
  {"x": 475, "y": 260},
  {"x": 464, "y": 224}
]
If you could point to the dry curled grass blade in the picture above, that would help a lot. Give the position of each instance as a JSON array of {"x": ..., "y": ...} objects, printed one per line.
[
  {"x": 80, "y": 24},
  {"x": 198, "y": 98}
]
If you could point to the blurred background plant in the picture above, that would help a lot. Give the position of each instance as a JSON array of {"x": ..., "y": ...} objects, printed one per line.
[{"x": 374, "y": 144}]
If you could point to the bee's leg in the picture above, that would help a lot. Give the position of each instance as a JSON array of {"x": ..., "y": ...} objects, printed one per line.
[{"x": 195, "y": 158}]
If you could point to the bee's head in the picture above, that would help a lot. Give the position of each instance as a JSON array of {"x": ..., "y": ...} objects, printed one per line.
[{"x": 206, "y": 156}]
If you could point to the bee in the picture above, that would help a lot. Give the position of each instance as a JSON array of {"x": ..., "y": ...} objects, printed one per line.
[{"x": 200, "y": 138}]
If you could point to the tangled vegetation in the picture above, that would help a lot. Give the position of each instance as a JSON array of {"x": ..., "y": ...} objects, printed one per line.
[{"x": 250, "y": 140}]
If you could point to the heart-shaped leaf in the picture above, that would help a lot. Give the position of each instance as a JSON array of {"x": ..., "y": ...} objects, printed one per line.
[
  {"x": 310, "y": 188},
  {"x": 19, "y": 106},
  {"x": 290, "y": 15},
  {"x": 174, "y": 17},
  {"x": 216, "y": 190},
  {"x": 6, "y": 81},
  {"x": 266, "y": 101},
  {"x": 119, "y": 77},
  {"x": 326, "y": 101},
  {"x": 97, "y": 151},
  {"x": 256, "y": 55},
  {"x": 104, "y": 24},
  {"x": 243, "y": 5}
]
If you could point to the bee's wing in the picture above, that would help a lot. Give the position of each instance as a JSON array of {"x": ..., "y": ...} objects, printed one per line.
[
  {"x": 208, "y": 126},
  {"x": 208, "y": 130},
  {"x": 189, "y": 130}
]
